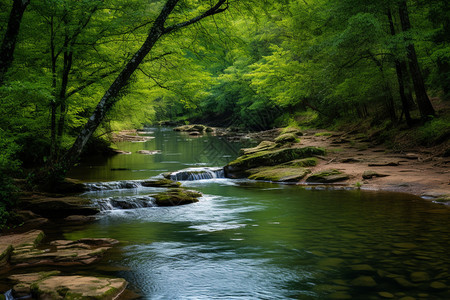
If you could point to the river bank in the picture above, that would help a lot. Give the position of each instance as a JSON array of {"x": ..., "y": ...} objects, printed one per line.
[{"x": 420, "y": 171}]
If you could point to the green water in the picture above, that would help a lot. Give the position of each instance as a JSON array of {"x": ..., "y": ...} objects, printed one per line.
[{"x": 248, "y": 240}]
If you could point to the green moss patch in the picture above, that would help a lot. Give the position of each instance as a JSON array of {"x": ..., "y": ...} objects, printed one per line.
[
  {"x": 161, "y": 183},
  {"x": 174, "y": 197},
  {"x": 284, "y": 174},
  {"x": 294, "y": 130},
  {"x": 304, "y": 162},
  {"x": 287, "y": 138},
  {"x": 273, "y": 157},
  {"x": 327, "y": 176},
  {"x": 263, "y": 146}
]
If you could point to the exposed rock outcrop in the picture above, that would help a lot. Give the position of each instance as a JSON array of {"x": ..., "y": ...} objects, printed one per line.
[
  {"x": 161, "y": 183},
  {"x": 58, "y": 207},
  {"x": 327, "y": 176},
  {"x": 52, "y": 285},
  {"x": 194, "y": 128},
  {"x": 176, "y": 196},
  {"x": 62, "y": 253},
  {"x": 239, "y": 167},
  {"x": 279, "y": 174}
]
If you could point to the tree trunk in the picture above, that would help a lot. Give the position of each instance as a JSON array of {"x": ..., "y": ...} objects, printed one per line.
[
  {"x": 10, "y": 38},
  {"x": 400, "y": 77},
  {"x": 389, "y": 99},
  {"x": 425, "y": 107},
  {"x": 112, "y": 94},
  {"x": 63, "y": 97},
  {"x": 53, "y": 104}
]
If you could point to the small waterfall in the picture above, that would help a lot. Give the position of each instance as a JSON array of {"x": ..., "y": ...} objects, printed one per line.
[
  {"x": 114, "y": 203},
  {"x": 113, "y": 185},
  {"x": 191, "y": 174}
]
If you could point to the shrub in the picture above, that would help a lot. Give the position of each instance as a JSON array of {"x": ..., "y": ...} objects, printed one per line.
[
  {"x": 434, "y": 131},
  {"x": 9, "y": 166}
]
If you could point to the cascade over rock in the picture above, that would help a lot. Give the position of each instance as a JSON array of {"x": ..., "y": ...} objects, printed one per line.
[{"x": 191, "y": 174}]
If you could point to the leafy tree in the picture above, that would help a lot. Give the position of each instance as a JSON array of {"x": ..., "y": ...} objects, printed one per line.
[{"x": 8, "y": 44}]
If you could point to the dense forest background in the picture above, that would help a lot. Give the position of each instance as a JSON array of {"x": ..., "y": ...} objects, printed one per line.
[{"x": 376, "y": 64}]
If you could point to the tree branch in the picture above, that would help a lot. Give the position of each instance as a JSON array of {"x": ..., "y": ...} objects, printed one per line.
[{"x": 212, "y": 11}]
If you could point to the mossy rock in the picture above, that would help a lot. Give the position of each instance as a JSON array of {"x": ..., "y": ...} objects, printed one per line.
[
  {"x": 175, "y": 197},
  {"x": 161, "y": 183},
  {"x": 327, "y": 176},
  {"x": 294, "y": 130},
  {"x": 69, "y": 186},
  {"x": 193, "y": 128},
  {"x": 78, "y": 287},
  {"x": 287, "y": 138},
  {"x": 58, "y": 208},
  {"x": 238, "y": 167},
  {"x": 304, "y": 162},
  {"x": 263, "y": 146},
  {"x": 277, "y": 174}
]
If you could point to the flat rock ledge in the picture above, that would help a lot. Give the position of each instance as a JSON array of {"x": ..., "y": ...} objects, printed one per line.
[
  {"x": 52, "y": 285},
  {"x": 8, "y": 243},
  {"x": 22, "y": 251},
  {"x": 57, "y": 207},
  {"x": 62, "y": 253}
]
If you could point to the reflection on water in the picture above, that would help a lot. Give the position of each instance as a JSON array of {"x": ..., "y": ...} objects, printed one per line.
[
  {"x": 247, "y": 240},
  {"x": 178, "y": 151}
]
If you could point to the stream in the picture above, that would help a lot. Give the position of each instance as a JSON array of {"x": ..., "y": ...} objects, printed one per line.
[{"x": 256, "y": 240}]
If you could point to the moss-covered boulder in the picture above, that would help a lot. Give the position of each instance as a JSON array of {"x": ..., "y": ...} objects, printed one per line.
[
  {"x": 327, "y": 176},
  {"x": 294, "y": 130},
  {"x": 194, "y": 128},
  {"x": 238, "y": 168},
  {"x": 263, "y": 146},
  {"x": 287, "y": 138},
  {"x": 24, "y": 281},
  {"x": 78, "y": 287},
  {"x": 278, "y": 174},
  {"x": 69, "y": 186},
  {"x": 304, "y": 162},
  {"x": 58, "y": 207},
  {"x": 176, "y": 196},
  {"x": 370, "y": 174},
  {"x": 161, "y": 183}
]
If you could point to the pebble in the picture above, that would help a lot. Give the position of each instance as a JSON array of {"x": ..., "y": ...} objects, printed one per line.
[
  {"x": 331, "y": 262},
  {"x": 403, "y": 282},
  {"x": 405, "y": 245},
  {"x": 364, "y": 281},
  {"x": 386, "y": 295},
  {"x": 423, "y": 295},
  {"x": 339, "y": 295},
  {"x": 420, "y": 276},
  {"x": 361, "y": 268},
  {"x": 438, "y": 285}
]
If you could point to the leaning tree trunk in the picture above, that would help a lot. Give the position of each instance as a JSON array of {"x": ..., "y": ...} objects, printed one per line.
[
  {"x": 112, "y": 94},
  {"x": 10, "y": 38},
  {"x": 425, "y": 107}
]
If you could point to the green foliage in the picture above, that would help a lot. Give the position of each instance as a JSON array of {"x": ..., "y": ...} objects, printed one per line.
[
  {"x": 9, "y": 166},
  {"x": 433, "y": 132}
]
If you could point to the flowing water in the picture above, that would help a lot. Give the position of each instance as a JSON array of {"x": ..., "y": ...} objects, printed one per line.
[{"x": 250, "y": 240}]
